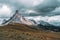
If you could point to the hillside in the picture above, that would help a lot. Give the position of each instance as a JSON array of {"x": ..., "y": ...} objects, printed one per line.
[{"x": 24, "y": 32}]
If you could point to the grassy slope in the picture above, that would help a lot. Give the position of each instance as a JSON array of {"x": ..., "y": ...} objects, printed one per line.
[{"x": 24, "y": 32}]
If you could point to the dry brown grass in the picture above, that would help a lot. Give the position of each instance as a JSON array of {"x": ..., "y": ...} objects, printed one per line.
[{"x": 24, "y": 32}]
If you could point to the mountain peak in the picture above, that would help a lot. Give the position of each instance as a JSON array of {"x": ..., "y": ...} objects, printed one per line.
[{"x": 17, "y": 18}]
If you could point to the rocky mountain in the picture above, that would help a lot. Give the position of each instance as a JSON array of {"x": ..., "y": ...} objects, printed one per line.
[
  {"x": 46, "y": 26},
  {"x": 17, "y": 18}
]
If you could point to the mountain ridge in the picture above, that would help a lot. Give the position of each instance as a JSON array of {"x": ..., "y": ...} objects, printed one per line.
[{"x": 46, "y": 26}]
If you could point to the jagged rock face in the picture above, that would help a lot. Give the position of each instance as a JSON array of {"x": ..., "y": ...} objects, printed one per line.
[
  {"x": 20, "y": 19},
  {"x": 17, "y": 18}
]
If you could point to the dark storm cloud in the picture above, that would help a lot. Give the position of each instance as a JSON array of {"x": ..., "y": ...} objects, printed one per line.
[
  {"x": 44, "y": 9},
  {"x": 48, "y": 8},
  {"x": 12, "y": 3}
]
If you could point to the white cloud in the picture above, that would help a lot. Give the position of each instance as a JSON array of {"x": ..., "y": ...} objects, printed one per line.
[
  {"x": 57, "y": 9},
  {"x": 30, "y": 11},
  {"x": 54, "y": 20},
  {"x": 30, "y": 2},
  {"x": 5, "y": 11}
]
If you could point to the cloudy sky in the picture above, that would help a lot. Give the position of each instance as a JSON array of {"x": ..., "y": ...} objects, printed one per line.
[
  {"x": 41, "y": 7},
  {"x": 47, "y": 10}
]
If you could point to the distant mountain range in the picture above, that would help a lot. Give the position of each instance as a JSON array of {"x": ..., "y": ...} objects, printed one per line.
[
  {"x": 42, "y": 24},
  {"x": 46, "y": 26},
  {"x": 17, "y": 18}
]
